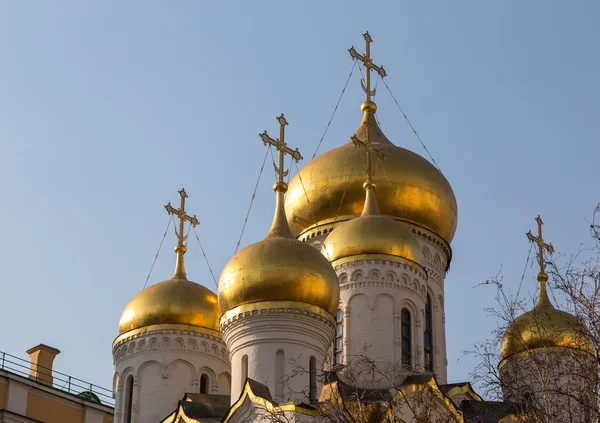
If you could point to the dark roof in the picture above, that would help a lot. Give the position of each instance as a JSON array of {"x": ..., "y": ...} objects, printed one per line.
[
  {"x": 205, "y": 406},
  {"x": 446, "y": 388},
  {"x": 352, "y": 393},
  {"x": 417, "y": 379},
  {"x": 259, "y": 389},
  {"x": 487, "y": 411}
]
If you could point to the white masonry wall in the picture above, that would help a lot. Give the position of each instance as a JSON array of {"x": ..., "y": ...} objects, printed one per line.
[
  {"x": 372, "y": 295},
  {"x": 165, "y": 364},
  {"x": 435, "y": 263},
  {"x": 373, "y": 305},
  {"x": 273, "y": 346}
]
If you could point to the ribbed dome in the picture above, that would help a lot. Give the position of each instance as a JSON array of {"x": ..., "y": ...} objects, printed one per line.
[
  {"x": 545, "y": 327},
  {"x": 372, "y": 233},
  {"x": 411, "y": 189},
  {"x": 279, "y": 268},
  {"x": 176, "y": 301}
]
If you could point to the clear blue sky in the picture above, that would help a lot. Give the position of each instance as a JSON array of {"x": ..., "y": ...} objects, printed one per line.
[{"x": 108, "y": 108}]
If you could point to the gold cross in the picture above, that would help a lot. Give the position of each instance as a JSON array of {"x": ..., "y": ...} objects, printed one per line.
[
  {"x": 368, "y": 63},
  {"x": 180, "y": 213},
  {"x": 369, "y": 149},
  {"x": 281, "y": 147},
  {"x": 541, "y": 244}
]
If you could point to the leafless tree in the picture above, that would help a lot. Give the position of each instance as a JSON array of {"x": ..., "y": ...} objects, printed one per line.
[
  {"x": 402, "y": 395},
  {"x": 545, "y": 383}
]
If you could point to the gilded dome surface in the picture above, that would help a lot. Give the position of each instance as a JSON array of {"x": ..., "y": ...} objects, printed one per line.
[
  {"x": 372, "y": 233},
  {"x": 410, "y": 189},
  {"x": 279, "y": 268},
  {"x": 175, "y": 301},
  {"x": 544, "y": 327}
]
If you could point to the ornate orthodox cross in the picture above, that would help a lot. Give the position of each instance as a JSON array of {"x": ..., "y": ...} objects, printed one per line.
[
  {"x": 539, "y": 240},
  {"x": 180, "y": 213},
  {"x": 281, "y": 147},
  {"x": 368, "y": 63}
]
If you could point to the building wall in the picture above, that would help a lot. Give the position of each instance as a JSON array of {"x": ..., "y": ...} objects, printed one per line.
[
  {"x": 46, "y": 408},
  {"x": 30, "y": 399},
  {"x": 435, "y": 263},
  {"x": 372, "y": 296},
  {"x": 254, "y": 339},
  {"x": 361, "y": 314},
  {"x": 165, "y": 364},
  {"x": 3, "y": 389}
]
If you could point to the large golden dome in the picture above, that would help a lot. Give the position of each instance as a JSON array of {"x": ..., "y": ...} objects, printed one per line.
[
  {"x": 176, "y": 301},
  {"x": 372, "y": 233},
  {"x": 279, "y": 268},
  {"x": 411, "y": 189},
  {"x": 545, "y": 327}
]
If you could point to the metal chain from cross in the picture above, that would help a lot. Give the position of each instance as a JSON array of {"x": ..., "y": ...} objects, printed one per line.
[
  {"x": 183, "y": 217},
  {"x": 539, "y": 241},
  {"x": 368, "y": 64},
  {"x": 282, "y": 148}
]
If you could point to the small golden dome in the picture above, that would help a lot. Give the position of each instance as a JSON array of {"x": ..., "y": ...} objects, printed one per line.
[
  {"x": 176, "y": 301},
  {"x": 545, "y": 327},
  {"x": 411, "y": 189},
  {"x": 279, "y": 268},
  {"x": 372, "y": 233}
]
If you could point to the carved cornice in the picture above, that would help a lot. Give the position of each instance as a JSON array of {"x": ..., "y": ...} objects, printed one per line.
[
  {"x": 169, "y": 350},
  {"x": 435, "y": 239},
  {"x": 354, "y": 285},
  {"x": 374, "y": 259},
  {"x": 275, "y": 307},
  {"x": 168, "y": 329},
  {"x": 121, "y": 350},
  {"x": 434, "y": 274}
]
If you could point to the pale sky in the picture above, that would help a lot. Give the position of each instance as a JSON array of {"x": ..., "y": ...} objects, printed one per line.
[{"x": 107, "y": 109}]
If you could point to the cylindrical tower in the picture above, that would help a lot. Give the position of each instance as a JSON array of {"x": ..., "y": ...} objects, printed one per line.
[
  {"x": 168, "y": 344},
  {"x": 278, "y": 297},
  {"x": 548, "y": 363}
]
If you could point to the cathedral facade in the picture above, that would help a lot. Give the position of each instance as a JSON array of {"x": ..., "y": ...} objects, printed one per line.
[{"x": 339, "y": 312}]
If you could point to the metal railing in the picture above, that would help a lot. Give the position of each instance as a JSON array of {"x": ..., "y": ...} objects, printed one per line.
[{"x": 62, "y": 382}]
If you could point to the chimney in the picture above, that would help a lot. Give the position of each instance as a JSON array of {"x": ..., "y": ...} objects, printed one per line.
[{"x": 42, "y": 357}]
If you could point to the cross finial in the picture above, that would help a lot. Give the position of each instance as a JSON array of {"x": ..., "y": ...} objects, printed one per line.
[
  {"x": 282, "y": 148},
  {"x": 280, "y": 227},
  {"x": 541, "y": 245},
  {"x": 368, "y": 64},
  {"x": 180, "y": 249}
]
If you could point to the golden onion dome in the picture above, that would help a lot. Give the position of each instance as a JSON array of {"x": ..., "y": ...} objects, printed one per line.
[
  {"x": 545, "y": 327},
  {"x": 176, "y": 301},
  {"x": 328, "y": 188},
  {"x": 279, "y": 268},
  {"x": 371, "y": 233}
]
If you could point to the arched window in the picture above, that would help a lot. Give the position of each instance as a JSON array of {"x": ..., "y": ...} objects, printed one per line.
[
  {"x": 279, "y": 372},
  {"x": 428, "y": 336},
  {"x": 339, "y": 338},
  {"x": 244, "y": 369},
  {"x": 406, "y": 338},
  {"x": 312, "y": 368},
  {"x": 128, "y": 399},
  {"x": 204, "y": 384}
]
